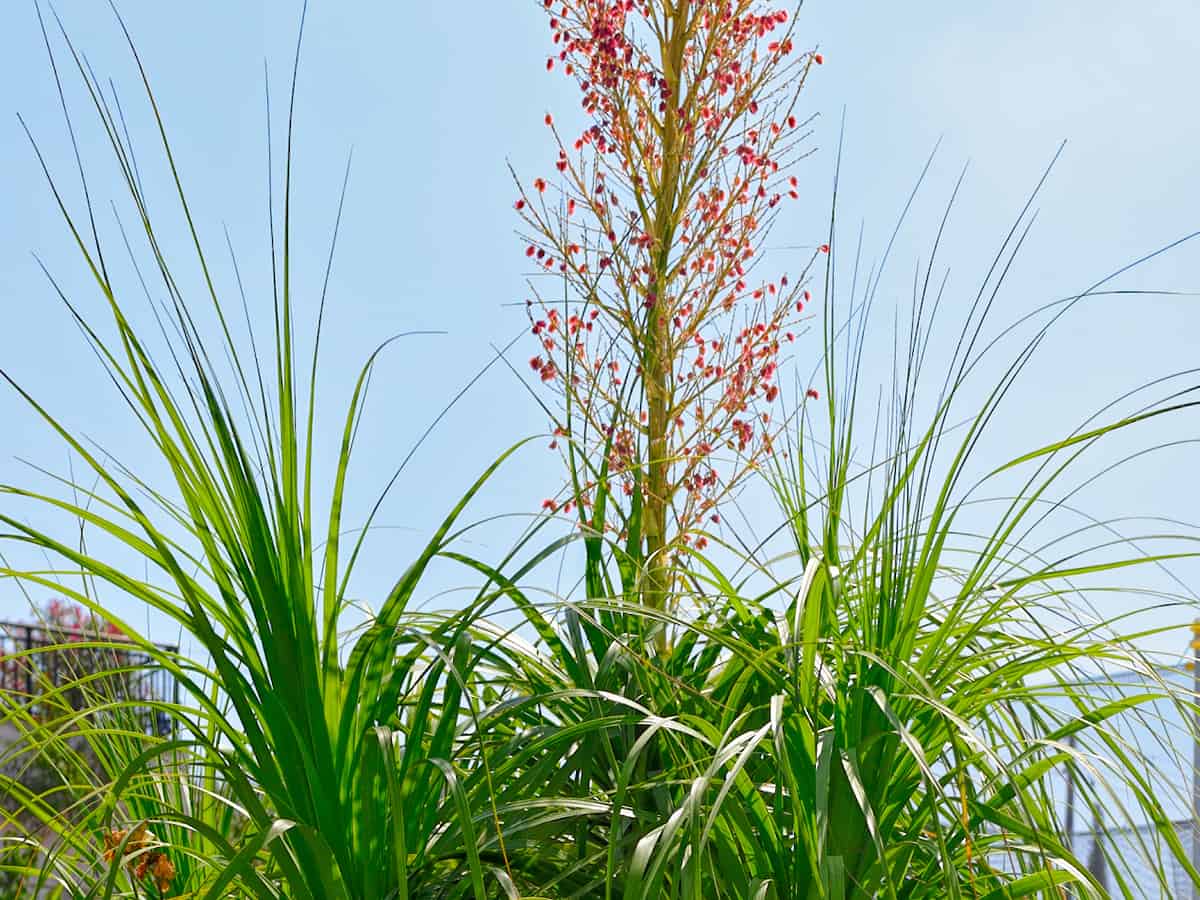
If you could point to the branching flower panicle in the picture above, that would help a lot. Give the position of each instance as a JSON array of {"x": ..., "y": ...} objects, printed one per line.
[{"x": 664, "y": 344}]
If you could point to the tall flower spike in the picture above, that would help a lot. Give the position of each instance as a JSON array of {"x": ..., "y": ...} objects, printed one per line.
[{"x": 665, "y": 347}]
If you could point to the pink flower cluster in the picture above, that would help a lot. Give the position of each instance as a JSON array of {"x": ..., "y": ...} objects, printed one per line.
[{"x": 651, "y": 228}]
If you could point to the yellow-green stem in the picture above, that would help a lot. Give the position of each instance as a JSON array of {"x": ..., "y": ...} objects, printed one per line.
[{"x": 658, "y": 363}]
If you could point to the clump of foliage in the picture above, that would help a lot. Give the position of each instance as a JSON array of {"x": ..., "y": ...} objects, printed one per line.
[{"x": 880, "y": 710}]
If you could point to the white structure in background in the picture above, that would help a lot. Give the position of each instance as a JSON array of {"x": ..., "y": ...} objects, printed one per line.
[{"x": 1124, "y": 859}]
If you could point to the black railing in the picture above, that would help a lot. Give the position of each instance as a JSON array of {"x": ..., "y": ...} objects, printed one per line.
[{"x": 51, "y": 669}]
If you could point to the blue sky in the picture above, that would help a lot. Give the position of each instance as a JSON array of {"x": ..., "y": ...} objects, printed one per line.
[{"x": 435, "y": 99}]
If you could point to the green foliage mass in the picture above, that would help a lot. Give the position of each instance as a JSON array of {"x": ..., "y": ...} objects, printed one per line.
[{"x": 879, "y": 710}]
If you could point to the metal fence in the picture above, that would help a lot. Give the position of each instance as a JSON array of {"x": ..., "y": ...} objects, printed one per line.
[
  {"x": 1138, "y": 860},
  {"x": 1127, "y": 861},
  {"x": 52, "y": 669}
]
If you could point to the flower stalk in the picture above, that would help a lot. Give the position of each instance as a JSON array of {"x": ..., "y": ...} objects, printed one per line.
[{"x": 665, "y": 345}]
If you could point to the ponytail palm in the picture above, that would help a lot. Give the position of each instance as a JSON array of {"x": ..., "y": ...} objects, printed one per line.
[{"x": 886, "y": 707}]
